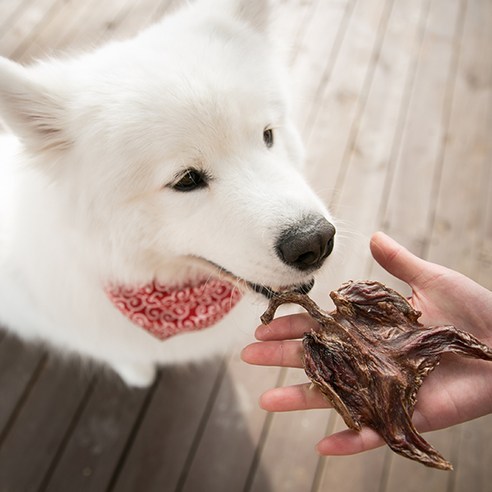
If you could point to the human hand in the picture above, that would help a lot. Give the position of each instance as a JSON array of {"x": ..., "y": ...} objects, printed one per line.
[{"x": 457, "y": 391}]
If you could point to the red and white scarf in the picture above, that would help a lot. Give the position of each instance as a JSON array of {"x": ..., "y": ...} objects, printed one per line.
[{"x": 165, "y": 311}]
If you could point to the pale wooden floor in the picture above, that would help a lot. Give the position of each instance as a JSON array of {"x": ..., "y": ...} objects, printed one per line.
[{"x": 394, "y": 101}]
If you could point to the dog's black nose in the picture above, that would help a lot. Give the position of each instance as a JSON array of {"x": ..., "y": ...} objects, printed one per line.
[{"x": 306, "y": 244}]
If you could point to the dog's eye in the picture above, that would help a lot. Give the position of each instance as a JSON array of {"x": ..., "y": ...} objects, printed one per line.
[
  {"x": 268, "y": 137},
  {"x": 191, "y": 180}
]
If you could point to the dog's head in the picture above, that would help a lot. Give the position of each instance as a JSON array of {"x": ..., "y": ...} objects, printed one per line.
[{"x": 174, "y": 152}]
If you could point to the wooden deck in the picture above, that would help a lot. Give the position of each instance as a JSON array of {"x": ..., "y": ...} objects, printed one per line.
[{"x": 395, "y": 100}]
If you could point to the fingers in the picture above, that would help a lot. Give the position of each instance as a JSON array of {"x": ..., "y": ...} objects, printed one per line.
[
  {"x": 279, "y": 344},
  {"x": 286, "y": 327},
  {"x": 277, "y": 347},
  {"x": 287, "y": 353},
  {"x": 306, "y": 397},
  {"x": 349, "y": 442},
  {"x": 291, "y": 398},
  {"x": 396, "y": 259}
]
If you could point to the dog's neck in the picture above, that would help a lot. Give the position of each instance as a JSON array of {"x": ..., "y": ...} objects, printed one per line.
[{"x": 165, "y": 311}]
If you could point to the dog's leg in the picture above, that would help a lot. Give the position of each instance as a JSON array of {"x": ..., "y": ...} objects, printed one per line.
[{"x": 138, "y": 375}]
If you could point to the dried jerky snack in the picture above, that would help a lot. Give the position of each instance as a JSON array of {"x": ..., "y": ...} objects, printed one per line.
[{"x": 370, "y": 356}]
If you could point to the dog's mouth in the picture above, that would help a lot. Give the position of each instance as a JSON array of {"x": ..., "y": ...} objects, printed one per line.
[
  {"x": 269, "y": 292},
  {"x": 264, "y": 290}
]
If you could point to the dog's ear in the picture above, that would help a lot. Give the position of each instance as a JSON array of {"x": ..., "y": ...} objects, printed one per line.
[{"x": 31, "y": 109}]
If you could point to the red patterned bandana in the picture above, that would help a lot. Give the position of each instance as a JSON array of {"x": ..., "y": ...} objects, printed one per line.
[{"x": 166, "y": 311}]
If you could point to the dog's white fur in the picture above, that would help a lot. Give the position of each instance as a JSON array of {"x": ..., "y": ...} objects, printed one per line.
[{"x": 85, "y": 197}]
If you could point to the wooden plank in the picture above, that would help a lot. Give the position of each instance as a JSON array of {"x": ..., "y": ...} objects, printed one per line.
[
  {"x": 288, "y": 21},
  {"x": 466, "y": 155},
  {"x": 381, "y": 97},
  {"x": 484, "y": 253},
  {"x": 129, "y": 20},
  {"x": 301, "y": 21},
  {"x": 41, "y": 425},
  {"x": 473, "y": 471},
  {"x": 288, "y": 460},
  {"x": 357, "y": 473},
  {"x": 484, "y": 245},
  {"x": 101, "y": 22},
  {"x": 327, "y": 56},
  {"x": 63, "y": 21},
  {"x": 83, "y": 24},
  {"x": 77, "y": 32},
  {"x": 160, "y": 448},
  {"x": 54, "y": 25},
  {"x": 27, "y": 26},
  {"x": 18, "y": 367},
  {"x": 60, "y": 35},
  {"x": 331, "y": 123},
  {"x": 93, "y": 449},
  {"x": 406, "y": 211},
  {"x": 408, "y": 208},
  {"x": 143, "y": 13},
  {"x": 232, "y": 432},
  {"x": 165, "y": 7},
  {"x": 9, "y": 11},
  {"x": 314, "y": 55},
  {"x": 373, "y": 145}
]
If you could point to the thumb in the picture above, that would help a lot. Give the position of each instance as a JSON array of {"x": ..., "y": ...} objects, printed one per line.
[{"x": 396, "y": 259}]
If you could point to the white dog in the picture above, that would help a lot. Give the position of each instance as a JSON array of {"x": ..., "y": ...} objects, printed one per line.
[{"x": 148, "y": 185}]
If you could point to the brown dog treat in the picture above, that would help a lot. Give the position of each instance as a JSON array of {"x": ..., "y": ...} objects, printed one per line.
[{"x": 370, "y": 356}]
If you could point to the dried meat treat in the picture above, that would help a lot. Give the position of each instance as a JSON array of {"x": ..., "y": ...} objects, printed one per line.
[{"x": 370, "y": 356}]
